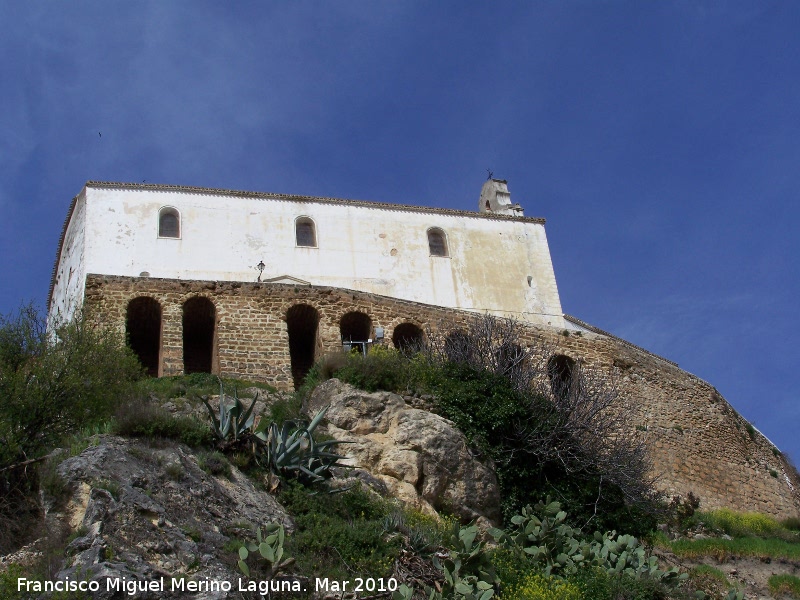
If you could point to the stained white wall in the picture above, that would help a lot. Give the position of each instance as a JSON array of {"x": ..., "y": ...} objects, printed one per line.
[
  {"x": 372, "y": 249},
  {"x": 70, "y": 270}
]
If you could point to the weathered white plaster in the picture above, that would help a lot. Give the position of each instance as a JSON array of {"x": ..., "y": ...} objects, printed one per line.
[
  {"x": 69, "y": 275},
  {"x": 497, "y": 264}
]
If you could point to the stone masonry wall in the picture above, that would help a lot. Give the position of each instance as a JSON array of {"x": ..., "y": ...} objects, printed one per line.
[{"x": 699, "y": 443}]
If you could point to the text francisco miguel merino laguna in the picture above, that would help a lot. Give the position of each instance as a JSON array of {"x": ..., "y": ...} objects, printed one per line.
[{"x": 134, "y": 586}]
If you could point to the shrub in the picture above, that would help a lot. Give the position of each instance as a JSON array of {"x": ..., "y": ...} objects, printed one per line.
[
  {"x": 791, "y": 523},
  {"x": 537, "y": 586},
  {"x": 381, "y": 369},
  {"x": 51, "y": 386},
  {"x": 339, "y": 534},
  {"x": 785, "y": 584},
  {"x": 214, "y": 463},
  {"x": 741, "y": 524},
  {"x": 148, "y": 420},
  {"x": 544, "y": 439}
]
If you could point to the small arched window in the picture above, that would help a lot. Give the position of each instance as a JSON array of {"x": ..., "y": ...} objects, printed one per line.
[
  {"x": 437, "y": 243},
  {"x": 305, "y": 232},
  {"x": 169, "y": 223}
]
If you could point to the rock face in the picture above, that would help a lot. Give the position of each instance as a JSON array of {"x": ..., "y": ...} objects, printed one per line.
[
  {"x": 421, "y": 457},
  {"x": 144, "y": 512}
]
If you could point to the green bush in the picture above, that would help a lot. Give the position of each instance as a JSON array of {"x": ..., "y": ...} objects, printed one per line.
[
  {"x": 148, "y": 420},
  {"x": 51, "y": 386},
  {"x": 536, "y": 586},
  {"x": 785, "y": 584},
  {"x": 791, "y": 523},
  {"x": 339, "y": 534},
  {"x": 381, "y": 369},
  {"x": 193, "y": 385},
  {"x": 496, "y": 417},
  {"x": 741, "y": 524},
  {"x": 214, "y": 463}
]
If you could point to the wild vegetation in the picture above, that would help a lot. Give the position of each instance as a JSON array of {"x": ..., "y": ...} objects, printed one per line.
[
  {"x": 550, "y": 427},
  {"x": 51, "y": 386}
]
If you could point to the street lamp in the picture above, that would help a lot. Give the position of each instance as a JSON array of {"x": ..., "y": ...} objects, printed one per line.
[{"x": 260, "y": 266}]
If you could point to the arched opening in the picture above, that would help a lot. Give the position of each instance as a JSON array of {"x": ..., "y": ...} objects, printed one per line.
[
  {"x": 169, "y": 223},
  {"x": 199, "y": 333},
  {"x": 143, "y": 332},
  {"x": 458, "y": 347},
  {"x": 305, "y": 232},
  {"x": 510, "y": 358},
  {"x": 437, "y": 244},
  {"x": 560, "y": 370},
  {"x": 301, "y": 324},
  {"x": 407, "y": 337},
  {"x": 356, "y": 328}
]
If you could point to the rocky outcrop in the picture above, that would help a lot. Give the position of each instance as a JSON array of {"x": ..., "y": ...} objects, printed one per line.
[
  {"x": 143, "y": 512},
  {"x": 421, "y": 457}
]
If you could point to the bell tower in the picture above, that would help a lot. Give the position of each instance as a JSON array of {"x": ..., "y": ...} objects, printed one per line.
[{"x": 495, "y": 198}]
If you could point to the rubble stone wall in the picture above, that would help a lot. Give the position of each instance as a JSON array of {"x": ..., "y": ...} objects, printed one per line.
[{"x": 699, "y": 443}]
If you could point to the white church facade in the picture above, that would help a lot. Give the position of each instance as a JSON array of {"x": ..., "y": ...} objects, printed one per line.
[{"x": 491, "y": 260}]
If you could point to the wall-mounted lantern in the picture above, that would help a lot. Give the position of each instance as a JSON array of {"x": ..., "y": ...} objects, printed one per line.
[{"x": 260, "y": 266}]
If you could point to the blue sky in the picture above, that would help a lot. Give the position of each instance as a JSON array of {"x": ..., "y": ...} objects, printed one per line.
[{"x": 658, "y": 139}]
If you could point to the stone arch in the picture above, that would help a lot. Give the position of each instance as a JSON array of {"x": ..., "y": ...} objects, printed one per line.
[
  {"x": 561, "y": 370},
  {"x": 143, "y": 332},
  {"x": 199, "y": 335},
  {"x": 407, "y": 337},
  {"x": 458, "y": 346},
  {"x": 302, "y": 322},
  {"x": 355, "y": 326}
]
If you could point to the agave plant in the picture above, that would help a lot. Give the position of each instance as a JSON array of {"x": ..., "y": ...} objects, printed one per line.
[
  {"x": 291, "y": 449},
  {"x": 234, "y": 420}
]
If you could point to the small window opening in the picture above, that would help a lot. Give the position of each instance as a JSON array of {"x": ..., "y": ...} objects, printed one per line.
[
  {"x": 169, "y": 223},
  {"x": 436, "y": 242},
  {"x": 305, "y": 233},
  {"x": 407, "y": 337}
]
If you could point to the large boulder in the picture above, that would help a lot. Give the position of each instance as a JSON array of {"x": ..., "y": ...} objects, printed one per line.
[
  {"x": 423, "y": 459},
  {"x": 143, "y": 511}
]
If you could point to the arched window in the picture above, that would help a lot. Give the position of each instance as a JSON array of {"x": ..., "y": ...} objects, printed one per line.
[
  {"x": 437, "y": 243},
  {"x": 305, "y": 232},
  {"x": 169, "y": 223}
]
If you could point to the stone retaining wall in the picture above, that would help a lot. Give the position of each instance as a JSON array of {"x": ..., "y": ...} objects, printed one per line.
[{"x": 699, "y": 442}]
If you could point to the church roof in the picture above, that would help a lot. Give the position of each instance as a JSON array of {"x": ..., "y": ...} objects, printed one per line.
[{"x": 316, "y": 199}]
